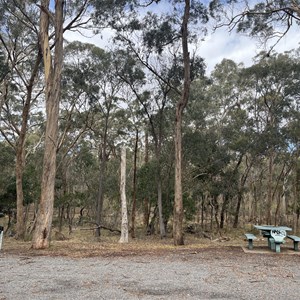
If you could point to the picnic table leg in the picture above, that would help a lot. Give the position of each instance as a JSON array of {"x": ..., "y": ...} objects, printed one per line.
[
  {"x": 277, "y": 248},
  {"x": 296, "y": 248},
  {"x": 250, "y": 245},
  {"x": 272, "y": 244}
]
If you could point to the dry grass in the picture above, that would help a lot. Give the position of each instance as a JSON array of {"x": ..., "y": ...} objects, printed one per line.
[{"x": 83, "y": 244}]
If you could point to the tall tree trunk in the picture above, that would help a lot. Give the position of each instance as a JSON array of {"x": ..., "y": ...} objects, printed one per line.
[
  {"x": 223, "y": 210},
  {"x": 281, "y": 200},
  {"x": 178, "y": 202},
  {"x": 42, "y": 233},
  {"x": 270, "y": 189},
  {"x": 202, "y": 210},
  {"x": 238, "y": 208},
  {"x": 20, "y": 163},
  {"x": 283, "y": 218},
  {"x": 61, "y": 217},
  {"x": 162, "y": 228},
  {"x": 124, "y": 224},
  {"x": 133, "y": 211},
  {"x": 103, "y": 157},
  {"x": 146, "y": 208},
  {"x": 240, "y": 193},
  {"x": 216, "y": 211},
  {"x": 20, "y": 153},
  {"x": 100, "y": 197},
  {"x": 296, "y": 204}
]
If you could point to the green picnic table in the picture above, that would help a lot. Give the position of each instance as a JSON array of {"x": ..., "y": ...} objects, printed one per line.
[{"x": 275, "y": 235}]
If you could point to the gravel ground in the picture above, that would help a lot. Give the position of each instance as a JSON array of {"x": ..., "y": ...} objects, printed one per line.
[{"x": 226, "y": 273}]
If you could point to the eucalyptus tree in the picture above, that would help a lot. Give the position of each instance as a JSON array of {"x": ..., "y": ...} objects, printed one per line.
[
  {"x": 257, "y": 103},
  {"x": 292, "y": 134},
  {"x": 234, "y": 126},
  {"x": 134, "y": 181},
  {"x": 191, "y": 11},
  {"x": 297, "y": 194},
  {"x": 273, "y": 107},
  {"x": 154, "y": 106},
  {"x": 220, "y": 114},
  {"x": 158, "y": 33},
  {"x": 110, "y": 119},
  {"x": 269, "y": 21},
  {"x": 52, "y": 72},
  {"x": 133, "y": 77},
  {"x": 74, "y": 124},
  {"x": 51, "y": 29},
  {"x": 19, "y": 38},
  {"x": 91, "y": 73}
]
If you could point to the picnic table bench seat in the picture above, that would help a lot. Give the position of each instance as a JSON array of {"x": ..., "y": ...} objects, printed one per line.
[
  {"x": 250, "y": 237},
  {"x": 296, "y": 240}
]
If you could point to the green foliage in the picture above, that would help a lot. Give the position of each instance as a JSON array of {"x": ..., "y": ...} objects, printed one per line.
[
  {"x": 111, "y": 12},
  {"x": 261, "y": 18},
  {"x": 76, "y": 199},
  {"x": 31, "y": 181},
  {"x": 266, "y": 19},
  {"x": 147, "y": 188},
  {"x": 8, "y": 196},
  {"x": 112, "y": 182},
  {"x": 203, "y": 150},
  {"x": 76, "y": 182},
  {"x": 176, "y": 71},
  {"x": 274, "y": 106},
  {"x": 7, "y": 163},
  {"x": 159, "y": 33},
  {"x": 128, "y": 68},
  {"x": 7, "y": 179}
]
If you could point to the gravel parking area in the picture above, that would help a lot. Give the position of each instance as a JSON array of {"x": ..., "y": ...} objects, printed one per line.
[{"x": 225, "y": 273}]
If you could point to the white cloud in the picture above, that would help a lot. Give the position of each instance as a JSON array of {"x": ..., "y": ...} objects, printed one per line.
[
  {"x": 222, "y": 44},
  {"x": 87, "y": 36},
  {"x": 241, "y": 48}
]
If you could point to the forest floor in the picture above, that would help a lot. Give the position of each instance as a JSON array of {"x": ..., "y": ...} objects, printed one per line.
[{"x": 148, "y": 268}]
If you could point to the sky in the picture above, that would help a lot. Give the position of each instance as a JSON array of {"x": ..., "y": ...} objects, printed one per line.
[
  {"x": 240, "y": 47},
  {"x": 216, "y": 45}
]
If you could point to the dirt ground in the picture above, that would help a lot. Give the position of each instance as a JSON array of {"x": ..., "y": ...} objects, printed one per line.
[{"x": 147, "y": 270}]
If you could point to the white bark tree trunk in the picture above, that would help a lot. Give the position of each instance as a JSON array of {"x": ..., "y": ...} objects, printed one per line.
[{"x": 124, "y": 224}]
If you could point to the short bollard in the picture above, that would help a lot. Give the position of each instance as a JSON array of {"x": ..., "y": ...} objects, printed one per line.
[{"x": 1, "y": 236}]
